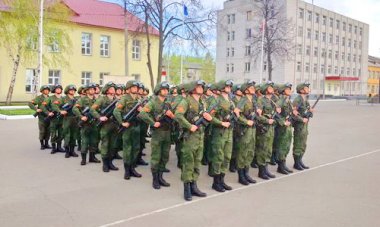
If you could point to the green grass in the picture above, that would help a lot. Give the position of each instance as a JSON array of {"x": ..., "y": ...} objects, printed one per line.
[
  {"x": 15, "y": 104},
  {"x": 17, "y": 112}
]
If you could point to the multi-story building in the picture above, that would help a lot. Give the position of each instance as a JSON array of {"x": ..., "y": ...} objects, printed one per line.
[
  {"x": 330, "y": 50},
  {"x": 373, "y": 75},
  {"x": 97, "y": 34}
]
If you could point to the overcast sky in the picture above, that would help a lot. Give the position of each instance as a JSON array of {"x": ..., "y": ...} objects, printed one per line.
[{"x": 367, "y": 11}]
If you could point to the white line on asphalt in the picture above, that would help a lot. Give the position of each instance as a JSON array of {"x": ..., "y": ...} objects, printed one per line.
[{"x": 234, "y": 190}]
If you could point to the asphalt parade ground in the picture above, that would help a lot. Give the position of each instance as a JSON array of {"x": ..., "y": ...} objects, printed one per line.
[{"x": 341, "y": 189}]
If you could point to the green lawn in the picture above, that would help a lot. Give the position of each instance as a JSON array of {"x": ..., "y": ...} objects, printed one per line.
[
  {"x": 17, "y": 112},
  {"x": 15, "y": 104}
]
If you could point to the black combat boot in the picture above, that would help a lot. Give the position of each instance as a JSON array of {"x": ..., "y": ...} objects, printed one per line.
[
  {"x": 242, "y": 179},
  {"x": 297, "y": 164},
  {"x": 54, "y": 149},
  {"x": 195, "y": 190},
  {"x": 254, "y": 163},
  {"x": 262, "y": 173},
  {"x": 47, "y": 146},
  {"x": 79, "y": 145},
  {"x": 67, "y": 151},
  {"x": 247, "y": 177},
  {"x": 59, "y": 148},
  {"x": 111, "y": 165},
  {"x": 72, "y": 152},
  {"x": 287, "y": 169},
  {"x": 106, "y": 168},
  {"x": 84, "y": 157},
  {"x": 92, "y": 158},
  {"x": 141, "y": 162},
  {"x": 117, "y": 156},
  {"x": 273, "y": 159},
  {"x": 187, "y": 191},
  {"x": 156, "y": 182},
  {"x": 134, "y": 173},
  {"x": 209, "y": 172},
  {"x": 216, "y": 185},
  {"x": 225, "y": 186},
  {"x": 127, "y": 174},
  {"x": 302, "y": 164},
  {"x": 162, "y": 181},
  {"x": 233, "y": 165},
  {"x": 269, "y": 174},
  {"x": 42, "y": 145},
  {"x": 281, "y": 168},
  {"x": 166, "y": 170}
]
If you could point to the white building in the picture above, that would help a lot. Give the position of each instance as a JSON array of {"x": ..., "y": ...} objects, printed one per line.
[{"x": 331, "y": 50}]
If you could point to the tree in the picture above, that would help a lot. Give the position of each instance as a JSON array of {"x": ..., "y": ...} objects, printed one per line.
[
  {"x": 173, "y": 20},
  {"x": 19, "y": 35},
  {"x": 208, "y": 68},
  {"x": 278, "y": 33}
]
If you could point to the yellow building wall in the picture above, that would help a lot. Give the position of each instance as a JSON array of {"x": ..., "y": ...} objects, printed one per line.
[
  {"x": 78, "y": 63},
  {"x": 373, "y": 80}
]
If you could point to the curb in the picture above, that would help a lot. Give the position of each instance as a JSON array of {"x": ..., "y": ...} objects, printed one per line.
[
  {"x": 16, "y": 117},
  {"x": 13, "y": 107}
]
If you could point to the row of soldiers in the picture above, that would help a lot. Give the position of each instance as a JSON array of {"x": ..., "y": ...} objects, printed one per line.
[{"x": 223, "y": 126}]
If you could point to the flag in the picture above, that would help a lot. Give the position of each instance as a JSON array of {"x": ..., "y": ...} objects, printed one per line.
[{"x": 185, "y": 11}]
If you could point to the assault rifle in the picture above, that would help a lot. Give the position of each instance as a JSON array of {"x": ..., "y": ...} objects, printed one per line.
[
  {"x": 107, "y": 112},
  {"x": 67, "y": 107},
  {"x": 202, "y": 120},
  {"x": 309, "y": 114},
  {"x": 132, "y": 114},
  {"x": 86, "y": 113}
]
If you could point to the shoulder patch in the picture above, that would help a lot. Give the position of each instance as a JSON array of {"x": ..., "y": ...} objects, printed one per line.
[
  {"x": 56, "y": 102},
  {"x": 180, "y": 109},
  {"x": 95, "y": 106},
  {"x": 44, "y": 103},
  {"x": 120, "y": 106},
  {"x": 146, "y": 109},
  {"x": 77, "y": 105}
]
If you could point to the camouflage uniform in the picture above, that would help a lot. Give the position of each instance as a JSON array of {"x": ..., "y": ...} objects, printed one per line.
[
  {"x": 70, "y": 124},
  {"x": 43, "y": 126}
]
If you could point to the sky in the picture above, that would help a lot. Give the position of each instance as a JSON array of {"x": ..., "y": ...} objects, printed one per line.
[{"x": 366, "y": 11}]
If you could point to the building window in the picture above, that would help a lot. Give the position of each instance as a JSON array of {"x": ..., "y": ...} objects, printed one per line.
[
  {"x": 31, "y": 43},
  {"x": 324, "y": 37},
  {"x": 354, "y": 58},
  {"x": 308, "y": 50},
  {"x": 342, "y": 71},
  {"x": 323, "y": 54},
  {"x": 331, "y": 22},
  {"x": 343, "y": 41},
  {"x": 301, "y": 13},
  {"x": 348, "y": 72},
  {"x": 324, "y": 20},
  {"x": 348, "y": 57},
  {"x": 101, "y": 78},
  {"x": 86, "y": 43},
  {"x": 228, "y": 68},
  {"x": 336, "y": 70},
  {"x": 360, "y": 58},
  {"x": 53, "y": 45},
  {"x": 265, "y": 66},
  {"x": 232, "y": 68},
  {"x": 359, "y": 72},
  {"x": 360, "y": 45},
  {"x": 349, "y": 42},
  {"x": 233, "y": 35},
  {"x": 136, "y": 49},
  {"x": 336, "y": 55},
  {"x": 136, "y": 76},
  {"x": 299, "y": 49},
  {"x": 248, "y": 33},
  {"x": 309, "y": 15},
  {"x": 247, "y": 67},
  {"x": 329, "y": 69},
  {"x": 315, "y": 68},
  {"x": 355, "y": 29},
  {"x": 315, "y": 51},
  {"x": 232, "y": 52},
  {"x": 231, "y": 19},
  {"x": 298, "y": 66},
  {"x": 337, "y": 24},
  {"x": 344, "y": 26},
  {"x": 249, "y": 15},
  {"x": 228, "y": 52},
  {"x": 307, "y": 67},
  {"x": 322, "y": 69},
  {"x": 350, "y": 28},
  {"x": 300, "y": 31},
  {"x": 337, "y": 40},
  {"x": 330, "y": 38},
  {"x": 316, "y": 37},
  {"x": 86, "y": 78},
  {"x": 309, "y": 33},
  {"x": 54, "y": 77},
  {"x": 317, "y": 18},
  {"x": 330, "y": 54},
  {"x": 343, "y": 56},
  {"x": 360, "y": 31},
  {"x": 248, "y": 50},
  {"x": 355, "y": 44},
  {"x": 29, "y": 80},
  {"x": 354, "y": 72},
  {"x": 228, "y": 36},
  {"x": 104, "y": 46}
]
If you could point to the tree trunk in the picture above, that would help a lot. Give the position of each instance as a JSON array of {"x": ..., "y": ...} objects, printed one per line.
[
  {"x": 270, "y": 67},
  {"x": 16, "y": 62},
  {"x": 149, "y": 63},
  {"x": 161, "y": 43}
]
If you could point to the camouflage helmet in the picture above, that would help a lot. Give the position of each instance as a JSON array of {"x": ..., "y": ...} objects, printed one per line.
[
  {"x": 162, "y": 85},
  {"x": 44, "y": 87},
  {"x": 282, "y": 87},
  {"x": 301, "y": 86},
  {"x": 119, "y": 86},
  {"x": 192, "y": 85},
  {"x": 147, "y": 90},
  {"x": 236, "y": 87},
  {"x": 81, "y": 89},
  {"x": 70, "y": 87},
  {"x": 55, "y": 87},
  {"x": 213, "y": 87},
  {"x": 131, "y": 83},
  {"x": 172, "y": 88},
  {"x": 223, "y": 83},
  {"x": 88, "y": 86},
  {"x": 258, "y": 87},
  {"x": 107, "y": 86},
  {"x": 247, "y": 84},
  {"x": 266, "y": 85}
]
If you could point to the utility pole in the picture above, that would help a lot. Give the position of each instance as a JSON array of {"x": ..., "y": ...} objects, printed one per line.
[
  {"x": 126, "y": 54},
  {"x": 38, "y": 78}
]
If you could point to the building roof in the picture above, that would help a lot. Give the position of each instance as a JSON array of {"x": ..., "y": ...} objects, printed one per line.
[
  {"x": 100, "y": 14},
  {"x": 373, "y": 61}
]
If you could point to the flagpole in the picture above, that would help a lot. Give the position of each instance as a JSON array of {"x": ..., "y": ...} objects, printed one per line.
[{"x": 262, "y": 51}]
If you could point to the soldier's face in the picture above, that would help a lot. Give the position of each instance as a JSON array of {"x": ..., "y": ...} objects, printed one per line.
[
  {"x": 288, "y": 91},
  {"x": 72, "y": 92},
  {"x": 97, "y": 90},
  {"x": 306, "y": 90},
  {"x": 58, "y": 91},
  {"x": 111, "y": 91},
  {"x": 164, "y": 92},
  {"x": 146, "y": 93},
  {"x": 141, "y": 91},
  {"x": 46, "y": 92},
  {"x": 208, "y": 92},
  {"x": 133, "y": 89},
  {"x": 251, "y": 90},
  {"x": 119, "y": 92},
  {"x": 175, "y": 91},
  {"x": 270, "y": 90},
  {"x": 238, "y": 92},
  {"x": 227, "y": 89},
  {"x": 199, "y": 89},
  {"x": 91, "y": 91}
]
